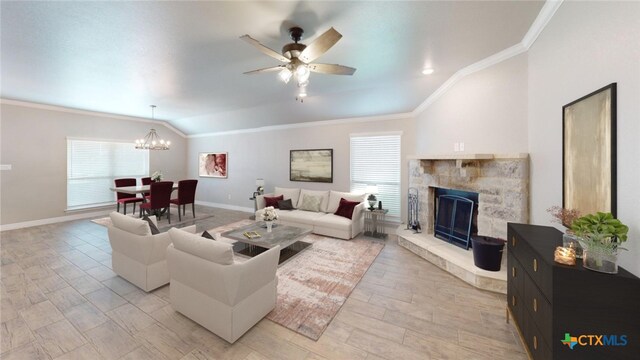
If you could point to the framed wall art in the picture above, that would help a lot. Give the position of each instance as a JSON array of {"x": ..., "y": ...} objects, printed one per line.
[
  {"x": 314, "y": 165},
  {"x": 212, "y": 165},
  {"x": 589, "y": 152}
]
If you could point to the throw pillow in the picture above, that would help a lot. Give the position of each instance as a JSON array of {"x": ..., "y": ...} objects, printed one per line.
[
  {"x": 310, "y": 203},
  {"x": 272, "y": 201},
  {"x": 288, "y": 193},
  {"x": 285, "y": 204},
  {"x": 206, "y": 235},
  {"x": 345, "y": 209},
  {"x": 154, "y": 229}
]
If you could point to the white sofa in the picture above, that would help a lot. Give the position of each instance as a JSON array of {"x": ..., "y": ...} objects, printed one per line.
[
  {"x": 324, "y": 221},
  {"x": 138, "y": 256},
  {"x": 213, "y": 289}
]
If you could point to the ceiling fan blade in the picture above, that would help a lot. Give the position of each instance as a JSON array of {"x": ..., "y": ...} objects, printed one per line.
[
  {"x": 334, "y": 69},
  {"x": 274, "y": 54},
  {"x": 269, "y": 69},
  {"x": 323, "y": 43}
]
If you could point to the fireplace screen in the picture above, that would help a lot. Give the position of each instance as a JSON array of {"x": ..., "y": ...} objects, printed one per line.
[{"x": 454, "y": 218}]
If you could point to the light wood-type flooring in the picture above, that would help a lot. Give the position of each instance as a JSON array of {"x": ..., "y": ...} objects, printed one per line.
[{"x": 60, "y": 300}]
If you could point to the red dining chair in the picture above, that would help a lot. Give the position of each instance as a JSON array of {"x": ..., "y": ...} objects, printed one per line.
[
  {"x": 146, "y": 181},
  {"x": 160, "y": 199},
  {"x": 186, "y": 195},
  {"x": 124, "y": 198}
]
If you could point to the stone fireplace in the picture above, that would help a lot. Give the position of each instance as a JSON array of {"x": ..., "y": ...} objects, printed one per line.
[
  {"x": 501, "y": 181},
  {"x": 502, "y": 185}
]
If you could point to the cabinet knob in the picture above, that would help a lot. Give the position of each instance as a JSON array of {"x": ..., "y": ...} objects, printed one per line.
[
  {"x": 535, "y": 305},
  {"x": 513, "y": 241},
  {"x": 513, "y": 271},
  {"x": 535, "y": 342},
  {"x": 535, "y": 265},
  {"x": 513, "y": 300}
]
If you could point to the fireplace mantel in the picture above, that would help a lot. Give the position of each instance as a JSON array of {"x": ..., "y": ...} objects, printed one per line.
[{"x": 468, "y": 156}]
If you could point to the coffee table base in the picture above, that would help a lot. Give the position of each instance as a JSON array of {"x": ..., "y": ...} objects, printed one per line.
[{"x": 285, "y": 254}]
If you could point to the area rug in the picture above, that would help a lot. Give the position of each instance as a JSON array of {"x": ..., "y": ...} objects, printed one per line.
[
  {"x": 313, "y": 285},
  {"x": 162, "y": 223}
]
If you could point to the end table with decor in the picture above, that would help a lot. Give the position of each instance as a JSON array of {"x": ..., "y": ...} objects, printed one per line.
[{"x": 374, "y": 221}]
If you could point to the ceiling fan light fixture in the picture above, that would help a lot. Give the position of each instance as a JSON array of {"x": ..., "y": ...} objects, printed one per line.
[{"x": 285, "y": 75}]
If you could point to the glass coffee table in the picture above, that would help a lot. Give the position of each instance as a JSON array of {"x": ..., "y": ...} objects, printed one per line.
[{"x": 254, "y": 239}]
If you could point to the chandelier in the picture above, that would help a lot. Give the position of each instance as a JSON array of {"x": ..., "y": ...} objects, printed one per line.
[{"x": 152, "y": 140}]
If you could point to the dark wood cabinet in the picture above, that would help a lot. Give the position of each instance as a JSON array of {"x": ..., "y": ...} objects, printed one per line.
[{"x": 548, "y": 300}]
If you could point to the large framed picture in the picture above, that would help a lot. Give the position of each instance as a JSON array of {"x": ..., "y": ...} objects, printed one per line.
[
  {"x": 314, "y": 165},
  {"x": 589, "y": 152},
  {"x": 212, "y": 165}
]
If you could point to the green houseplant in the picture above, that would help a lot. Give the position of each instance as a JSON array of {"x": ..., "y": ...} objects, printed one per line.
[{"x": 601, "y": 236}]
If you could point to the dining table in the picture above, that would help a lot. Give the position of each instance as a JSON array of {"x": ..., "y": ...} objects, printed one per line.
[{"x": 139, "y": 189}]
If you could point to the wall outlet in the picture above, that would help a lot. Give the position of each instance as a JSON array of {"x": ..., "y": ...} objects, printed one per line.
[
  {"x": 461, "y": 146},
  {"x": 229, "y": 196},
  {"x": 456, "y": 146}
]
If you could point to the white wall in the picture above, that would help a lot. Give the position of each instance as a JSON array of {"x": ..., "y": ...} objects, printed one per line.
[
  {"x": 33, "y": 141},
  {"x": 265, "y": 154},
  {"x": 486, "y": 110},
  {"x": 586, "y": 46}
]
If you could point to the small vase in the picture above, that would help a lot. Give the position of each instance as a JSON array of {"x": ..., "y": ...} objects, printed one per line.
[
  {"x": 571, "y": 241},
  {"x": 601, "y": 259},
  {"x": 269, "y": 225}
]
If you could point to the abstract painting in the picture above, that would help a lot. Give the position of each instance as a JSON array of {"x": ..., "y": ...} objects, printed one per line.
[
  {"x": 311, "y": 165},
  {"x": 212, "y": 165}
]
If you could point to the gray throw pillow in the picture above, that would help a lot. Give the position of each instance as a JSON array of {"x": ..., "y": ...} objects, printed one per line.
[
  {"x": 285, "y": 204},
  {"x": 310, "y": 203},
  {"x": 152, "y": 226},
  {"x": 206, "y": 234}
]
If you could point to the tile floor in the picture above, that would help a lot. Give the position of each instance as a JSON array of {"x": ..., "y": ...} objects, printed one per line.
[{"x": 60, "y": 300}]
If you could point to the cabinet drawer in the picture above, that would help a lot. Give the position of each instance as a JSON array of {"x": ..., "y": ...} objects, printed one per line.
[
  {"x": 538, "y": 347},
  {"x": 515, "y": 304},
  {"x": 515, "y": 274},
  {"x": 538, "y": 308},
  {"x": 539, "y": 271}
]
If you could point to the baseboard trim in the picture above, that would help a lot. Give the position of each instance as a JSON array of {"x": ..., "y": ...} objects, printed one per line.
[
  {"x": 226, "y": 206},
  {"x": 26, "y": 224}
]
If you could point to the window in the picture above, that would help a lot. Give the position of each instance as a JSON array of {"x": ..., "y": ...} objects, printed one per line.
[
  {"x": 375, "y": 160},
  {"x": 92, "y": 165}
]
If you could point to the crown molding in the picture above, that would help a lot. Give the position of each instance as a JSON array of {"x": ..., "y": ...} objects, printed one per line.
[
  {"x": 546, "y": 13},
  {"x": 544, "y": 16},
  {"x": 33, "y": 105},
  {"x": 398, "y": 116}
]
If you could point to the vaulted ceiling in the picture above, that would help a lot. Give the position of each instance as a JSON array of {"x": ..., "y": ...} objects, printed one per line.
[{"x": 187, "y": 58}]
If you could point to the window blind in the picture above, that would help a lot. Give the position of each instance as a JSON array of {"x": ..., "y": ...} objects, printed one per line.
[
  {"x": 375, "y": 160},
  {"x": 92, "y": 165}
]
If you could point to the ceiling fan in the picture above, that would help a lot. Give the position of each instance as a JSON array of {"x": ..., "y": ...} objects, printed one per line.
[{"x": 297, "y": 58}]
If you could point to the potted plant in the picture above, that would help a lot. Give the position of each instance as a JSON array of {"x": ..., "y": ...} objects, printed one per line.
[
  {"x": 157, "y": 176},
  {"x": 269, "y": 215},
  {"x": 601, "y": 236}
]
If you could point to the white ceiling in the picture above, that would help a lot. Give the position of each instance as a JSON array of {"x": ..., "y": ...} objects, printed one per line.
[{"x": 187, "y": 58}]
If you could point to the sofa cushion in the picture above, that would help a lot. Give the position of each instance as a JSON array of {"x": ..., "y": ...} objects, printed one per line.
[
  {"x": 129, "y": 224},
  {"x": 214, "y": 251},
  {"x": 272, "y": 201},
  {"x": 310, "y": 203},
  {"x": 289, "y": 193},
  {"x": 335, "y": 196},
  {"x": 324, "y": 195},
  {"x": 333, "y": 222},
  {"x": 300, "y": 216},
  {"x": 346, "y": 208},
  {"x": 285, "y": 205}
]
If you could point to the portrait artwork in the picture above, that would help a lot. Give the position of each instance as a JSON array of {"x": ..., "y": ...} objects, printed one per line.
[{"x": 212, "y": 165}]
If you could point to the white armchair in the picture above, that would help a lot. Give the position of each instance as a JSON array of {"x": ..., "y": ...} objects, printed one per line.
[
  {"x": 137, "y": 255},
  {"x": 211, "y": 288}
]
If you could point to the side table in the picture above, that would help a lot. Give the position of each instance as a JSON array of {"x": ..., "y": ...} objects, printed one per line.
[{"x": 374, "y": 221}]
